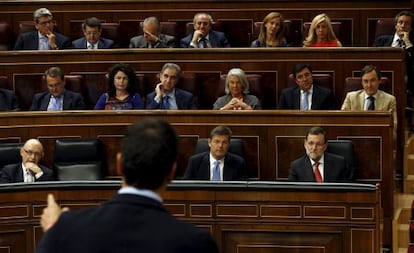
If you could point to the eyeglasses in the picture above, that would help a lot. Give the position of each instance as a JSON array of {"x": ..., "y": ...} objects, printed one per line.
[
  {"x": 303, "y": 76},
  {"x": 44, "y": 23},
  {"x": 30, "y": 153}
]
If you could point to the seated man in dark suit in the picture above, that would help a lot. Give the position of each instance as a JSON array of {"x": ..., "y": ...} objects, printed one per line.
[
  {"x": 166, "y": 95},
  {"x": 92, "y": 30},
  {"x": 306, "y": 95},
  {"x": 43, "y": 38},
  {"x": 8, "y": 101},
  {"x": 318, "y": 165},
  {"x": 203, "y": 35},
  {"x": 134, "y": 220},
  {"x": 152, "y": 37},
  {"x": 57, "y": 98},
  {"x": 29, "y": 170},
  {"x": 217, "y": 164}
]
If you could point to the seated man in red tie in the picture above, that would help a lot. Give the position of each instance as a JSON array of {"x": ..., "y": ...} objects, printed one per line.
[
  {"x": 217, "y": 164},
  {"x": 318, "y": 165}
]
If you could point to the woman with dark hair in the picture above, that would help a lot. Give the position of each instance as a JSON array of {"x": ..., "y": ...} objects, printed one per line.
[
  {"x": 272, "y": 32},
  {"x": 121, "y": 94}
]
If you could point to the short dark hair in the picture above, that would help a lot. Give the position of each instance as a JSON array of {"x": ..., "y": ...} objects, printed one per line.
[
  {"x": 317, "y": 130},
  {"x": 404, "y": 13},
  {"x": 221, "y": 130},
  {"x": 369, "y": 68},
  {"x": 54, "y": 72},
  {"x": 299, "y": 67},
  {"x": 170, "y": 65},
  {"x": 149, "y": 150},
  {"x": 91, "y": 22},
  {"x": 129, "y": 72}
]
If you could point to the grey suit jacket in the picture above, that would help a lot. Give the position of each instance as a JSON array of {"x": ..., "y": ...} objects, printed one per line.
[
  {"x": 164, "y": 41},
  {"x": 335, "y": 169},
  {"x": 251, "y": 100}
]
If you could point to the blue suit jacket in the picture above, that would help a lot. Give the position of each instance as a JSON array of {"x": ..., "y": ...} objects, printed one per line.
[
  {"x": 383, "y": 41},
  {"x": 184, "y": 99},
  {"x": 217, "y": 39},
  {"x": 30, "y": 41},
  {"x": 125, "y": 223},
  {"x": 13, "y": 173},
  {"x": 71, "y": 101},
  {"x": 198, "y": 167},
  {"x": 8, "y": 101},
  {"x": 322, "y": 98},
  {"x": 102, "y": 43},
  {"x": 336, "y": 169}
]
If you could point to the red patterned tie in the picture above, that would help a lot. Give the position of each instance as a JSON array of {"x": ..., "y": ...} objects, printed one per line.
[{"x": 317, "y": 173}]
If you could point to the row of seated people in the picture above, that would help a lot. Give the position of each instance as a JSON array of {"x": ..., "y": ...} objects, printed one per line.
[
  {"x": 217, "y": 158},
  {"x": 150, "y": 33},
  {"x": 122, "y": 88}
]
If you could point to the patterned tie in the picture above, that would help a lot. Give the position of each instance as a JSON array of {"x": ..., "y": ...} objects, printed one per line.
[
  {"x": 90, "y": 46},
  {"x": 29, "y": 177},
  {"x": 203, "y": 43},
  {"x": 304, "y": 100},
  {"x": 317, "y": 173},
  {"x": 371, "y": 103},
  {"x": 165, "y": 102},
  {"x": 216, "y": 171},
  {"x": 400, "y": 43}
]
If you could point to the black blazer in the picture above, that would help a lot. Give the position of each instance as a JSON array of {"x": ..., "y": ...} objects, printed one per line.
[
  {"x": 102, "y": 43},
  {"x": 125, "y": 223},
  {"x": 217, "y": 40},
  {"x": 71, "y": 101},
  {"x": 198, "y": 167},
  {"x": 322, "y": 98},
  {"x": 30, "y": 41},
  {"x": 336, "y": 169},
  {"x": 184, "y": 100},
  {"x": 13, "y": 173},
  {"x": 8, "y": 101}
]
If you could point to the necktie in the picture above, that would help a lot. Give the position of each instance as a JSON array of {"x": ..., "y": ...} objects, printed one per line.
[
  {"x": 55, "y": 104},
  {"x": 400, "y": 43},
  {"x": 203, "y": 42},
  {"x": 29, "y": 176},
  {"x": 165, "y": 102},
  {"x": 371, "y": 103},
  {"x": 216, "y": 171},
  {"x": 91, "y": 46},
  {"x": 317, "y": 173},
  {"x": 304, "y": 101}
]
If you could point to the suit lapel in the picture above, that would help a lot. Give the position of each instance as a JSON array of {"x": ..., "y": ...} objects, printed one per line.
[
  {"x": 296, "y": 98},
  {"x": 205, "y": 167},
  {"x": 45, "y": 102},
  {"x": 178, "y": 99}
]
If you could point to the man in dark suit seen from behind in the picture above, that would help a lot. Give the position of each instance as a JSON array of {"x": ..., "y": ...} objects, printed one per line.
[
  {"x": 152, "y": 36},
  {"x": 203, "y": 36},
  {"x": 43, "y": 38},
  {"x": 29, "y": 170},
  {"x": 8, "y": 100},
  {"x": 306, "y": 95},
  {"x": 134, "y": 220},
  {"x": 92, "y": 39},
  {"x": 217, "y": 164},
  {"x": 166, "y": 96},
  {"x": 317, "y": 165},
  {"x": 57, "y": 98}
]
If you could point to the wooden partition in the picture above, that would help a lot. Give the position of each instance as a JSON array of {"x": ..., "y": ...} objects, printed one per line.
[{"x": 242, "y": 217}]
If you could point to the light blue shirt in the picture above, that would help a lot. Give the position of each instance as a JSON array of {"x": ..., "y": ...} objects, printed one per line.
[{"x": 140, "y": 192}]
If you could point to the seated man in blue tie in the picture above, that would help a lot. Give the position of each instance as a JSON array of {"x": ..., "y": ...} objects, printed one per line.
[
  {"x": 217, "y": 164},
  {"x": 57, "y": 98},
  {"x": 43, "y": 38},
  {"x": 203, "y": 35},
  {"x": 92, "y": 29},
  {"x": 29, "y": 170},
  {"x": 166, "y": 95}
]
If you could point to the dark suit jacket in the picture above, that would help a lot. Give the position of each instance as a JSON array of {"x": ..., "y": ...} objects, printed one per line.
[
  {"x": 30, "y": 41},
  {"x": 217, "y": 39},
  {"x": 71, "y": 101},
  {"x": 184, "y": 99},
  {"x": 13, "y": 173},
  {"x": 125, "y": 223},
  {"x": 8, "y": 101},
  {"x": 336, "y": 169},
  {"x": 102, "y": 43},
  {"x": 164, "y": 41},
  {"x": 198, "y": 167},
  {"x": 322, "y": 98}
]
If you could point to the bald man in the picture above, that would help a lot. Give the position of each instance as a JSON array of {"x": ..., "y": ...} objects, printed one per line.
[{"x": 29, "y": 170}]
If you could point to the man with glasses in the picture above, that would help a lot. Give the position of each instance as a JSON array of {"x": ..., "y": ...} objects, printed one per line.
[
  {"x": 317, "y": 165},
  {"x": 57, "y": 98},
  {"x": 92, "y": 30},
  {"x": 43, "y": 38},
  {"x": 29, "y": 170},
  {"x": 306, "y": 95}
]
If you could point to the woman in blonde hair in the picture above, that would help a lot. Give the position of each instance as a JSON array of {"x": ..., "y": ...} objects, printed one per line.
[
  {"x": 272, "y": 32},
  {"x": 321, "y": 33}
]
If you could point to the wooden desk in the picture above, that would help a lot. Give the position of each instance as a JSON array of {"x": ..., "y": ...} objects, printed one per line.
[{"x": 242, "y": 216}]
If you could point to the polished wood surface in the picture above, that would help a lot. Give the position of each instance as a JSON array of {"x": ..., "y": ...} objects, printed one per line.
[{"x": 242, "y": 216}]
